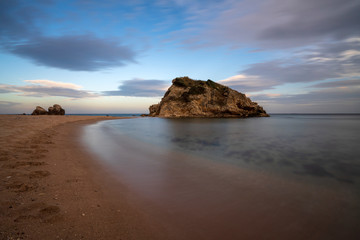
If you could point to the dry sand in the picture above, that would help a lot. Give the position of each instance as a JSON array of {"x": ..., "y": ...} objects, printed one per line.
[{"x": 50, "y": 188}]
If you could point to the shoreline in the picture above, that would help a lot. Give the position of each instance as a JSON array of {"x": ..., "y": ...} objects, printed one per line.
[
  {"x": 54, "y": 187},
  {"x": 51, "y": 188},
  {"x": 192, "y": 197}
]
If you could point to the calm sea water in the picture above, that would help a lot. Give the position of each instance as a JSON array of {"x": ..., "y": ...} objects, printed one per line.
[
  {"x": 312, "y": 158},
  {"x": 322, "y": 146},
  {"x": 109, "y": 114}
]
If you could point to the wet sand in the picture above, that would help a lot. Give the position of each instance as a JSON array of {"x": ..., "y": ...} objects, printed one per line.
[{"x": 51, "y": 189}]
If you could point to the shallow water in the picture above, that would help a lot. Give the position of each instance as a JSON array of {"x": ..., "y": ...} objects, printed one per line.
[
  {"x": 300, "y": 173},
  {"x": 324, "y": 146}
]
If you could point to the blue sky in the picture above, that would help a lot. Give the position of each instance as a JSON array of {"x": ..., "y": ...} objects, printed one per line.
[{"x": 291, "y": 56}]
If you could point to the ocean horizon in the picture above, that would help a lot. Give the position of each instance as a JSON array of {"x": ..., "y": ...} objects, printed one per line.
[{"x": 139, "y": 114}]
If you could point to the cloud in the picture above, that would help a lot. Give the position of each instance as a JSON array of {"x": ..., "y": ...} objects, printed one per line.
[
  {"x": 20, "y": 34},
  {"x": 77, "y": 53},
  {"x": 283, "y": 71},
  {"x": 270, "y": 23},
  {"x": 4, "y": 89},
  {"x": 328, "y": 95},
  {"x": 6, "y": 104},
  {"x": 49, "y": 83},
  {"x": 17, "y": 20},
  {"x": 307, "y": 19},
  {"x": 336, "y": 60},
  {"x": 140, "y": 88},
  {"x": 248, "y": 83},
  {"x": 338, "y": 84},
  {"x": 327, "y": 100},
  {"x": 44, "y": 88}
]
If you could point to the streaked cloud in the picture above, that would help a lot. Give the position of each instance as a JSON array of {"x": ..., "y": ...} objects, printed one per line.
[
  {"x": 83, "y": 51},
  {"x": 140, "y": 88},
  {"x": 326, "y": 100},
  {"x": 270, "y": 24},
  {"x": 49, "y": 83},
  {"x": 336, "y": 60},
  {"x": 46, "y": 88},
  {"x": 5, "y": 104},
  {"x": 248, "y": 83},
  {"x": 338, "y": 84},
  {"x": 349, "y": 54}
]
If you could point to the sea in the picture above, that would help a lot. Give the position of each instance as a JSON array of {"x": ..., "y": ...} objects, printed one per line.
[{"x": 288, "y": 176}]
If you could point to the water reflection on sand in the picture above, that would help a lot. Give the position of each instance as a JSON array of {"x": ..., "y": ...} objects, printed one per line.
[{"x": 196, "y": 176}]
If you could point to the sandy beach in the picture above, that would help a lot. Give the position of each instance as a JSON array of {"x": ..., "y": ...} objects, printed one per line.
[
  {"x": 51, "y": 190},
  {"x": 52, "y": 187}
]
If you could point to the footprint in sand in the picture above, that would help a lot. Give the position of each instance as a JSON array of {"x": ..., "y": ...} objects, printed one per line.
[
  {"x": 4, "y": 156},
  {"x": 23, "y": 164},
  {"x": 39, "y": 174},
  {"x": 40, "y": 150},
  {"x": 33, "y": 157},
  {"x": 21, "y": 186},
  {"x": 39, "y": 211},
  {"x": 27, "y": 151}
]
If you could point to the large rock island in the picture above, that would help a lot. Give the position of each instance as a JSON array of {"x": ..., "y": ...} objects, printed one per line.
[{"x": 195, "y": 98}]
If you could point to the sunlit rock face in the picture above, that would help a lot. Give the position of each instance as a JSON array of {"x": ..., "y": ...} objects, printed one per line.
[
  {"x": 39, "y": 111},
  {"x": 56, "y": 109},
  {"x": 195, "y": 98}
]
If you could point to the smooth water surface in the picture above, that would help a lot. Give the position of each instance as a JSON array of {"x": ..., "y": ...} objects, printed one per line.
[
  {"x": 294, "y": 176},
  {"x": 325, "y": 146}
]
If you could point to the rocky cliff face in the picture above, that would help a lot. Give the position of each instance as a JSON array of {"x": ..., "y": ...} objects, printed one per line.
[{"x": 196, "y": 98}]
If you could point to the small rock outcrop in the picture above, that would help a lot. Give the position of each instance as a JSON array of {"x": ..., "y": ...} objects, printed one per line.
[
  {"x": 56, "y": 109},
  {"x": 39, "y": 111},
  {"x": 195, "y": 98}
]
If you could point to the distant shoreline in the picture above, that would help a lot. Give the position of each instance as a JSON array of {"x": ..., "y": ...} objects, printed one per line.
[
  {"x": 139, "y": 114},
  {"x": 86, "y": 114}
]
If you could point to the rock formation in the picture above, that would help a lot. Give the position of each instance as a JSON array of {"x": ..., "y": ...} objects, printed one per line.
[
  {"x": 39, "y": 111},
  {"x": 195, "y": 98},
  {"x": 56, "y": 109}
]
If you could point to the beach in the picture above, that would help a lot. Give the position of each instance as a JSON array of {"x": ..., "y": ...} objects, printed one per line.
[
  {"x": 55, "y": 185},
  {"x": 50, "y": 188},
  {"x": 214, "y": 179}
]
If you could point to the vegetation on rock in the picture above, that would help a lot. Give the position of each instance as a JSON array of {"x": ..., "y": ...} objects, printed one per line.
[{"x": 196, "y": 98}]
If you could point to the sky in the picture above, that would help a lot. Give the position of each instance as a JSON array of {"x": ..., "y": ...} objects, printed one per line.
[{"x": 110, "y": 56}]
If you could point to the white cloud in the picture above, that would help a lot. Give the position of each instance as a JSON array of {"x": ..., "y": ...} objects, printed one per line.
[
  {"x": 345, "y": 55},
  {"x": 324, "y": 100},
  {"x": 48, "y": 88},
  {"x": 247, "y": 83},
  {"x": 353, "y": 40},
  {"x": 321, "y": 59},
  {"x": 49, "y": 83}
]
